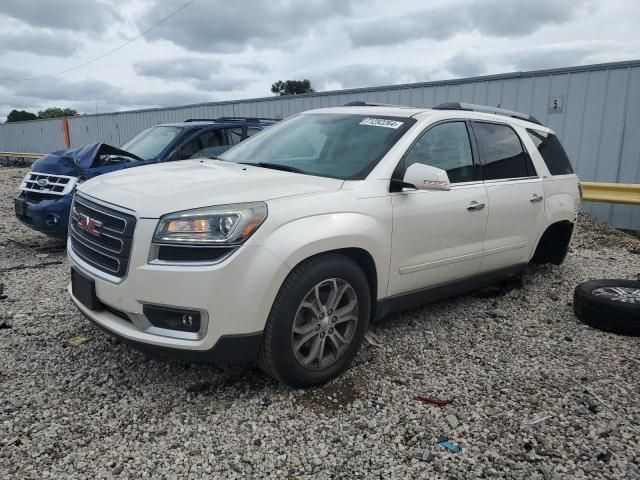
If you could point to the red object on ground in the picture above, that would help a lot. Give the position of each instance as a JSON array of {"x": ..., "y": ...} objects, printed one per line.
[{"x": 433, "y": 401}]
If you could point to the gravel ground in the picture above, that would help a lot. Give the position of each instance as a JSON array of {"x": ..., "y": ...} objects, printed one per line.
[{"x": 502, "y": 356}]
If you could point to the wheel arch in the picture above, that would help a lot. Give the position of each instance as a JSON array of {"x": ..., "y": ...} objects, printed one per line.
[
  {"x": 553, "y": 245},
  {"x": 364, "y": 260},
  {"x": 363, "y": 238}
]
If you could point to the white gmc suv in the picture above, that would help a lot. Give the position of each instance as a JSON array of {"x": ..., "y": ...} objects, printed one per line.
[{"x": 283, "y": 249}]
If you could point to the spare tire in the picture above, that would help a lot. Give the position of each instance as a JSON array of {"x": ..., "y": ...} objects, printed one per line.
[{"x": 609, "y": 305}]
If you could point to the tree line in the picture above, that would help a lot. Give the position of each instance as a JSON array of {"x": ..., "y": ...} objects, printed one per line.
[{"x": 53, "y": 112}]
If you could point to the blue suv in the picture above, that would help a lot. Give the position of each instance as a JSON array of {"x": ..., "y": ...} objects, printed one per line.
[{"x": 47, "y": 190}]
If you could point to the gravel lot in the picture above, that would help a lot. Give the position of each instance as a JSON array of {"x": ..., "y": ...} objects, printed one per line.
[{"x": 502, "y": 356}]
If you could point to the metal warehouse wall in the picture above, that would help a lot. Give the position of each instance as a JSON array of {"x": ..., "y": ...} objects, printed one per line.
[{"x": 594, "y": 109}]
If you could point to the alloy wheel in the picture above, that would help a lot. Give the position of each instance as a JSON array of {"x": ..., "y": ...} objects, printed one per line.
[
  {"x": 325, "y": 323},
  {"x": 619, "y": 294}
]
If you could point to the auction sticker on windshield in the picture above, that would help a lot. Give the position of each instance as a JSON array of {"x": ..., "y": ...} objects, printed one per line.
[{"x": 381, "y": 122}]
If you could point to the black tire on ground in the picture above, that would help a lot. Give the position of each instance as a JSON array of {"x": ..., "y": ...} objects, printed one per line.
[
  {"x": 606, "y": 313},
  {"x": 276, "y": 355}
]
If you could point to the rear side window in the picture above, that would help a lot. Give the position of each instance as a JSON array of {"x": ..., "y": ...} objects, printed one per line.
[
  {"x": 501, "y": 152},
  {"x": 552, "y": 152}
]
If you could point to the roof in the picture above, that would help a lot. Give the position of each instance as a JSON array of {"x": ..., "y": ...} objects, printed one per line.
[
  {"x": 382, "y": 110},
  {"x": 423, "y": 113},
  {"x": 222, "y": 122},
  {"x": 492, "y": 117}
]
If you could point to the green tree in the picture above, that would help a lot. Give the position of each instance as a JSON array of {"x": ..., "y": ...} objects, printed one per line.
[
  {"x": 292, "y": 87},
  {"x": 55, "y": 112},
  {"x": 20, "y": 116}
]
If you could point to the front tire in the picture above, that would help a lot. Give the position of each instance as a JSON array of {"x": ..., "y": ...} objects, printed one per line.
[{"x": 317, "y": 321}]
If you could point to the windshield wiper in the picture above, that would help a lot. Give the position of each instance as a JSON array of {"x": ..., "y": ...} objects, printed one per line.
[{"x": 275, "y": 166}]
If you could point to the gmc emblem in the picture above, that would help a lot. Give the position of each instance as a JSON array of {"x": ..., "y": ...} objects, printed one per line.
[{"x": 86, "y": 223}]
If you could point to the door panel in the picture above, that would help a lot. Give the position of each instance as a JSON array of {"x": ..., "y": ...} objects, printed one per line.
[
  {"x": 436, "y": 238},
  {"x": 438, "y": 235},
  {"x": 516, "y": 203},
  {"x": 515, "y": 217}
]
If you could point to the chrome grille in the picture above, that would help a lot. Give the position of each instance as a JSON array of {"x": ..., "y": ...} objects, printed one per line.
[
  {"x": 101, "y": 236},
  {"x": 46, "y": 184}
]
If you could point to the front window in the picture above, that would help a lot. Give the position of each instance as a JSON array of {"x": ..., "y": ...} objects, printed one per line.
[
  {"x": 445, "y": 146},
  {"x": 150, "y": 142},
  {"x": 333, "y": 145}
]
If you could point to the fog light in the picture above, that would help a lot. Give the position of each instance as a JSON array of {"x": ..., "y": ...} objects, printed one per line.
[
  {"x": 51, "y": 219},
  {"x": 172, "y": 318}
]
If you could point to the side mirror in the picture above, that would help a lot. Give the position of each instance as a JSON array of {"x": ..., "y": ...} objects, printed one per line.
[{"x": 426, "y": 177}]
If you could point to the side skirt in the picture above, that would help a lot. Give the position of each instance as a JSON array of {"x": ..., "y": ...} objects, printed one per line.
[{"x": 405, "y": 301}]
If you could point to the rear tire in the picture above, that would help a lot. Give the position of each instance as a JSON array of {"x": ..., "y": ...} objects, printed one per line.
[
  {"x": 305, "y": 341},
  {"x": 609, "y": 305}
]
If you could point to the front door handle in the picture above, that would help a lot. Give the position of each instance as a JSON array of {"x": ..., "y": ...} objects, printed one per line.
[
  {"x": 536, "y": 198},
  {"x": 475, "y": 206}
]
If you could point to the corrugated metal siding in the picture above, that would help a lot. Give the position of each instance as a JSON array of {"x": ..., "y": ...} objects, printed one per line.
[{"x": 599, "y": 125}]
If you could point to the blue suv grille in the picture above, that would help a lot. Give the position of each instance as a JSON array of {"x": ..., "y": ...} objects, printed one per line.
[{"x": 101, "y": 236}]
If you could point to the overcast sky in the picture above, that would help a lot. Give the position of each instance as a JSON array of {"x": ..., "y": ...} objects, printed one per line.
[{"x": 220, "y": 50}]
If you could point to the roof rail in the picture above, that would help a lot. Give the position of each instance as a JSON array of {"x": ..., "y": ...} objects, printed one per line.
[
  {"x": 360, "y": 103},
  {"x": 200, "y": 120},
  {"x": 232, "y": 119},
  {"x": 248, "y": 119},
  {"x": 486, "y": 109}
]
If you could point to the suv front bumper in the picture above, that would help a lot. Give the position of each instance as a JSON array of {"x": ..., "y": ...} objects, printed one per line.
[
  {"x": 234, "y": 296},
  {"x": 229, "y": 349},
  {"x": 50, "y": 217}
]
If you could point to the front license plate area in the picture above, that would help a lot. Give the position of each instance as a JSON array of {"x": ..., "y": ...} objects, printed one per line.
[{"x": 84, "y": 289}]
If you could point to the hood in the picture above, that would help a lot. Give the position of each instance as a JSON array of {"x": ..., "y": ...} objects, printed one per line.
[
  {"x": 155, "y": 190},
  {"x": 75, "y": 161}
]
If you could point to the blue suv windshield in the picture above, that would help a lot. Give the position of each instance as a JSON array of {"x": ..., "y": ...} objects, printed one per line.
[
  {"x": 332, "y": 145},
  {"x": 150, "y": 142}
]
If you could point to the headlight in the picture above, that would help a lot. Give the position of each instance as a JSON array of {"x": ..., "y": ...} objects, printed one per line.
[{"x": 224, "y": 224}]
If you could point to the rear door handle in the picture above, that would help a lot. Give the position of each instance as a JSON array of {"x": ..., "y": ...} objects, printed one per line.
[
  {"x": 536, "y": 198},
  {"x": 475, "y": 206}
]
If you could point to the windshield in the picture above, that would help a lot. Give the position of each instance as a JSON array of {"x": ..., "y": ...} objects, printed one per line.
[
  {"x": 150, "y": 142},
  {"x": 325, "y": 144}
]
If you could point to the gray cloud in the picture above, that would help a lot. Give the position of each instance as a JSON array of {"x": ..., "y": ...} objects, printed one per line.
[
  {"x": 198, "y": 72},
  {"x": 213, "y": 27},
  {"x": 76, "y": 15},
  {"x": 164, "y": 99},
  {"x": 86, "y": 94},
  {"x": 39, "y": 42},
  {"x": 435, "y": 23},
  {"x": 58, "y": 88},
  {"x": 363, "y": 75},
  {"x": 179, "y": 68},
  {"x": 465, "y": 64},
  {"x": 222, "y": 84},
  {"x": 505, "y": 19},
  {"x": 7, "y": 72},
  {"x": 495, "y": 18},
  {"x": 254, "y": 67},
  {"x": 556, "y": 55}
]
